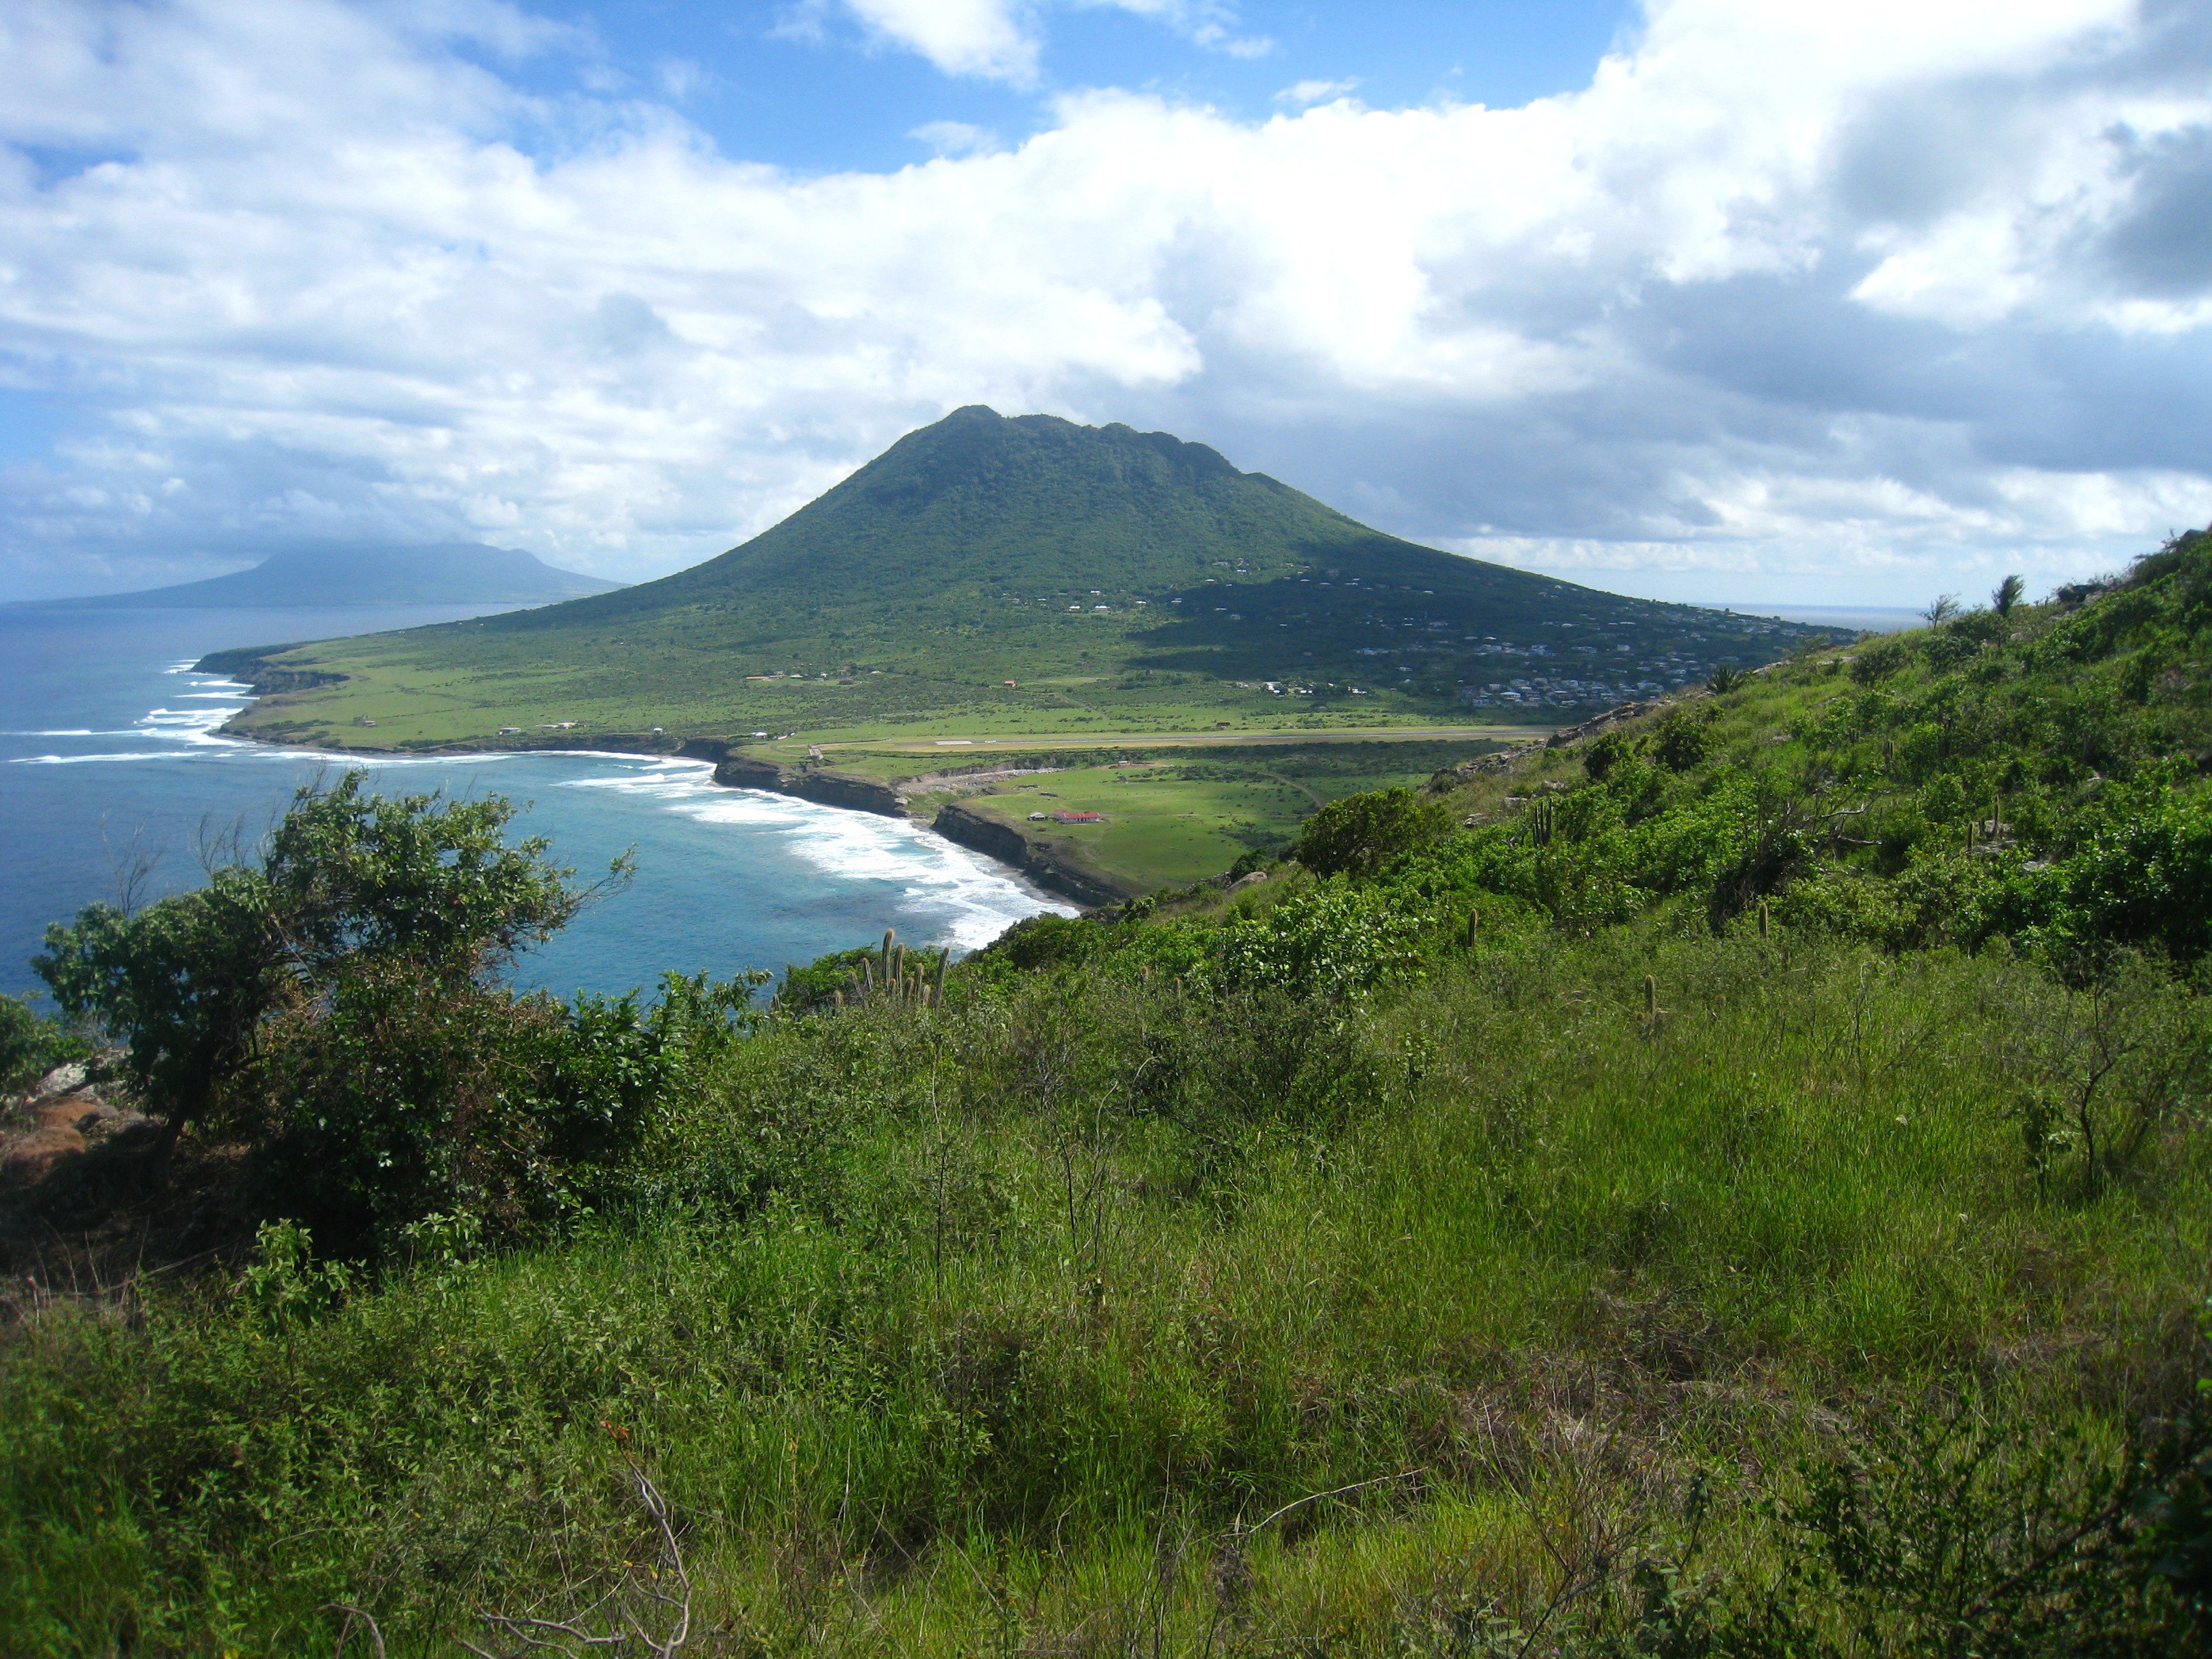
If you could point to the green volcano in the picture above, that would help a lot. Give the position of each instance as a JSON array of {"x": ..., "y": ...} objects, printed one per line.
[{"x": 1119, "y": 579}]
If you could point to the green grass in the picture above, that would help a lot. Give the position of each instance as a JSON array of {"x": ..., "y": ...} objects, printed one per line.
[
  {"x": 1499, "y": 1251},
  {"x": 999, "y": 1357},
  {"x": 1174, "y": 815}
]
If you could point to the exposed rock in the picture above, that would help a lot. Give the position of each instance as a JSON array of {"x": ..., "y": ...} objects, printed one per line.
[
  {"x": 60, "y": 1123},
  {"x": 858, "y": 794},
  {"x": 1041, "y": 862},
  {"x": 62, "y": 1080}
]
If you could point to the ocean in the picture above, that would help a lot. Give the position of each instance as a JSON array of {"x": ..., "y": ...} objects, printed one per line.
[{"x": 108, "y": 753}]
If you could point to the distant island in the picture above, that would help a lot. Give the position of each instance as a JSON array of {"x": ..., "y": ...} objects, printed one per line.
[{"x": 447, "y": 573}]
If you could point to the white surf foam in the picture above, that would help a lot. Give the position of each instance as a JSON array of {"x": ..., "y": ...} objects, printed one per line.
[{"x": 965, "y": 899}]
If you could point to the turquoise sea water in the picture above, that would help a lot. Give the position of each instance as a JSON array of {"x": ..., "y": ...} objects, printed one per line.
[{"x": 107, "y": 743}]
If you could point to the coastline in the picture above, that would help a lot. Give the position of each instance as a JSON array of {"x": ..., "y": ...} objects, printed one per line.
[{"x": 1039, "y": 866}]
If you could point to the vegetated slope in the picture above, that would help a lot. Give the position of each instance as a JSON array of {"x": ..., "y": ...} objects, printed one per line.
[
  {"x": 1117, "y": 576},
  {"x": 1477, "y": 1238},
  {"x": 445, "y": 573},
  {"x": 2037, "y": 773}
]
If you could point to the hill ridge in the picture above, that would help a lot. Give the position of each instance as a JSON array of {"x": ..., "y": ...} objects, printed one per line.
[{"x": 1028, "y": 573}]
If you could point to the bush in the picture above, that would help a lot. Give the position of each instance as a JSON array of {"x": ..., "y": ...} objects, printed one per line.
[
  {"x": 30, "y": 1046},
  {"x": 1681, "y": 741},
  {"x": 1878, "y": 662},
  {"x": 1335, "y": 942},
  {"x": 1360, "y": 833},
  {"x": 189, "y": 981},
  {"x": 2142, "y": 878},
  {"x": 1048, "y": 941},
  {"x": 403, "y": 1094},
  {"x": 1605, "y": 753}
]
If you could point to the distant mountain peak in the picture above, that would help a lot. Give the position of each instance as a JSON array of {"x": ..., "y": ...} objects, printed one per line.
[{"x": 328, "y": 573}]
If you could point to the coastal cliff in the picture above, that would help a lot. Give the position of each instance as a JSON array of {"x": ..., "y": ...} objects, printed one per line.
[
  {"x": 1043, "y": 864},
  {"x": 251, "y": 665},
  {"x": 856, "y": 794}
]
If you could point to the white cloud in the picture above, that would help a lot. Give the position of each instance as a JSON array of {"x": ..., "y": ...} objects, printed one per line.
[
  {"x": 1315, "y": 92},
  {"x": 989, "y": 38},
  {"x": 955, "y": 137},
  {"x": 1002, "y": 39},
  {"x": 1783, "y": 291}
]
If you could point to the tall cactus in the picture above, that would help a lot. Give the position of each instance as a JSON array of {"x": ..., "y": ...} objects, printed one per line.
[{"x": 944, "y": 961}]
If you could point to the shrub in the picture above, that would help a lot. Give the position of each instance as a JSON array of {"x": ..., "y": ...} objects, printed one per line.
[
  {"x": 1605, "y": 753},
  {"x": 189, "y": 981},
  {"x": 1048, "y": 941},
  {"x": 1878, "y": 662},
  {"x": 1360, "y": 833},
  {"x": 29, "y": 1045},
  {"x": 1681, "y": 741},
  {"x": 403, "y": 1094},
  {"x": 1335, "y": 942}
]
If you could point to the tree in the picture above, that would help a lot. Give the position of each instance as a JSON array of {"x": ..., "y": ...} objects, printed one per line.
[
  {"x": 2009, "y": 594},
  {"x": 191, "y": 983},
  {"x": 1360, "y": 833},
  {"x": 1945, "y": 608}
]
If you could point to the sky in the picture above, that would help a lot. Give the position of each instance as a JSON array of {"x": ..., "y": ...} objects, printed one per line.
[{"x": 1743, "y": 301}]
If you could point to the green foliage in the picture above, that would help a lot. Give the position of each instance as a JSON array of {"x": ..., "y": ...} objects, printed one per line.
[
  {"x": 1335, "y": 941},
  {"x": 402, "y": 1095},
  {"x": 1680, "y": 741},
  {"x": 352, "y": 877},
  {"x": 1035, "y": 1280},
  {"x": 286, "y": 1286},
  {"x": 1048, "y": 941},
  {"x": 1744, "y": 1195},
  {"x": 188, "y": 982},
  {"x": 1877, "y": 662},
  {"x": 31, "y": 1045},
  {"x": 2033, "y": 775},
  {"x": 1360, "y": 833}
]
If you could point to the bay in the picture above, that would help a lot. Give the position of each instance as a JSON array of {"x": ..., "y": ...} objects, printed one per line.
[{"x": 108, "y": 752}]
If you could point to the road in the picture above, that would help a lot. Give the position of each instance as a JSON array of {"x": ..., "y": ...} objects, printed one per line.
[{"x": 1202, "y": 740}]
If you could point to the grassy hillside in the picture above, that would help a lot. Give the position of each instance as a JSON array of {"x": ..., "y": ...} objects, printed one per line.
[
  {"x": 1713, "y": 1188},
  {"x": 1124, "y": 581},
  {"x": 1173, "y": 816},
  {"x": 2036, "y": 775}
]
